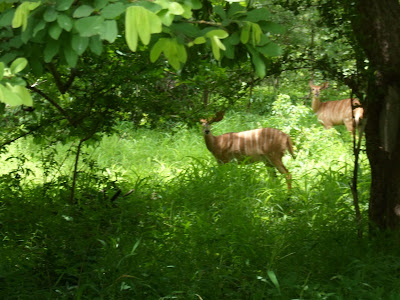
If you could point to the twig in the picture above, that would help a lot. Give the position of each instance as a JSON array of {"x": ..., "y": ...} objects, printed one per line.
[
  {"x": 54, "y": 103},
  {"x": 353, "y": 185}
]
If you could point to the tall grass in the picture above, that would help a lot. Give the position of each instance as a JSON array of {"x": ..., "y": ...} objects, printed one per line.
[{"x": 190, "y": 229}]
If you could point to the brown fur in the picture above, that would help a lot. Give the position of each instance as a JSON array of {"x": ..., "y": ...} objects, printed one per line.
[
  {"x": 265, "y": 144},
  {"x": 334, "y": 113}
]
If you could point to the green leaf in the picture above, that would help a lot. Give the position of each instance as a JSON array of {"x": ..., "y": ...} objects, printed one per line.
[
  {"x": 113, "y": 10},
  {"x": 233, "y": 39},
  {"x": 245, "y": 33},
  {"x": 39, "y": 27},
  {"x": 215, "y": 49},
  {"x": 157, "y": 49},
  {"x": 23, "y": 94},
  {"x": 270, "y": 49},
  {"x": 18, "y": 65},
  {"x": 236, "y": 10},
  {"x": 79, "y": 43},
  {"x": 257, "y": 15},
  {"x": 219, "y": 33},
  {"x": 70, "y": 56},
  {"x": 219, "y": 10},
  {"x": 89, "y": 26},
  {"x": 230, "y": 50},
  {"x": 274, "y": 280},
  {"x": 55, "y": 31},
  {"x": 83, "y": 11},
  {"x": 195, "y": 4},
  {"x": 140, "y": 22},
  {"x": 50, "y": 14},
  {"x": 2, "y": 67},
  {"x": 272, "y": 27},
  {"x": 99, "y": 4},
  {"x": 9, "y": 97},
  {"x": 258, "y": 62},
  {"x": 6, "y": 18},
  {"x": 110, "y": 31},
  {"x": 173, "y": 51},
  {"x": 176, "y": 9},
  {"x": 51, "y": 49},
  {"x": 95, "y": 45},
  {"x": 62, "y": 5},
  {"x": 199, "y": 40},
  {"x": 65, "y": 22},
  {"x": 256, "y": 33}
]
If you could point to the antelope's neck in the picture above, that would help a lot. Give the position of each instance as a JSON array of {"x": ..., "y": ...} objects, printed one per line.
[
  {"x": 315, "y": 104},
  {"x": 210, "y": 140}
]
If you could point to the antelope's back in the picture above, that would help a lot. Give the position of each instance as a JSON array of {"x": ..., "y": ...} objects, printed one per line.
[
  {"x": 335, "y": 112},
  {"x": 256, "y": 144}
]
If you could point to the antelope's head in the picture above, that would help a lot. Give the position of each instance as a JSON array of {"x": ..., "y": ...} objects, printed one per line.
[
  {"x": 206, "y": 123},
  {"x": 316, "y": 89},
  {"x": 206, "y": 126}
]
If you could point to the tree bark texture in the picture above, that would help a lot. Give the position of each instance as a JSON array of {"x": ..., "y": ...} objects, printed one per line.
[{"x": 377, "y": 28}]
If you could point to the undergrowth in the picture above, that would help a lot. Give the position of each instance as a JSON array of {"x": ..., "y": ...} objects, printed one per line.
[{"x": 156, "y": 218}]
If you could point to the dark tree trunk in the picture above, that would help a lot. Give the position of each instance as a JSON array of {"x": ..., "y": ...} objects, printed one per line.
[{"x": 377, "y": 29}]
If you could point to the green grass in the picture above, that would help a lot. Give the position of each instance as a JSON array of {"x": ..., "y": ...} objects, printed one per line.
[{"x": 191, "y": 229}]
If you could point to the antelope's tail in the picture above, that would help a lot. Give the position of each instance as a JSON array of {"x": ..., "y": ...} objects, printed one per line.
[
  {"x": 358, "y": 115},
  {"x": 289, "y": 145}
]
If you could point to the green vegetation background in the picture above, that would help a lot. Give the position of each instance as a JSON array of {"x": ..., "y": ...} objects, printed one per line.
[{"x": 185, "y": 228}]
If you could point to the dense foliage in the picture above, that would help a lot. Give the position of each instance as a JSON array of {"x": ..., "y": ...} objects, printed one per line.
[
  {"x": 183, "y": 227},
  {"x": 106, "y": 187}
]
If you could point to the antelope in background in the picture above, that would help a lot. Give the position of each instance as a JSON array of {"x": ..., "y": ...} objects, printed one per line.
[
  {"x": 339, "y": 112},
  {"x": 265, "y": 144}
]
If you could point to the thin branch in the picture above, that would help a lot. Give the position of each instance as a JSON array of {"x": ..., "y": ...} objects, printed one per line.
[
  {"x": 62, "y": 87},
  {"x": 54, "y": 103},
  {"x": 9, "y": 142},
  {"x": 56, "y": 76},
  {"x": 78, "y": 152}
]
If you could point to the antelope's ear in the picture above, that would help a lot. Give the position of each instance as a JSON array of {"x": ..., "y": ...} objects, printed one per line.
[
  {"x": 203, "y": 121},
  {"x": 311, "y": 83},
  {"x": 218, "y": 116},
  {"x": 325, "y": 85}
]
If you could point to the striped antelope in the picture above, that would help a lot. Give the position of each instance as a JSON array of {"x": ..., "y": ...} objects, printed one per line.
[
  {"x": 339, "y": 112},
  {"x": 265, "y": 144}
]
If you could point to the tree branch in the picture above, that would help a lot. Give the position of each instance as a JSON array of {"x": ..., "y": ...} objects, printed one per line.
[
  {"x": 9, "y": 142},
  {"x": 54, "y": 103}
]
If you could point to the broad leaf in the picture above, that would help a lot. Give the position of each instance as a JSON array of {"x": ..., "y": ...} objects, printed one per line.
[
  {"x": 51, "y": 49},
  {"x": 8, "y": 96},
  {"x": 23, "y": 94},
  {"x": 55, "y": 31},
  {"x": 272, "y": 27},
  {"x": 219, "y": 33},
  {"x": 83, "y": 11},
  {"x": 18, "y": 65},
  {"x": 50, "y": 14},
  {"x": 89, "y": 26},
  {"x": 270, "y": 49},
  {"x": 2, "y": 67},
  {"x": 95, "y": 45},
  {"x": 157, "y": 49},
  {"x": 70, "y": 56},
  {"x": 245, "y": 33},
  {"x": 79, "y": 43},
  {"x": 109, "y": 31},
  {"x": 175, "y": 8},
  {"x": 62, "y": 5},
  {"x": 65, "y": 22},
  {"x": 140, "y": 22},
  {"x": 113, "y": 10},
  {"x": 257, "y": 15}
]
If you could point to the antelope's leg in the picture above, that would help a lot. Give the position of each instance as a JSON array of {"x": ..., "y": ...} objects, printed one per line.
[{"x": 282, "y": 169}]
